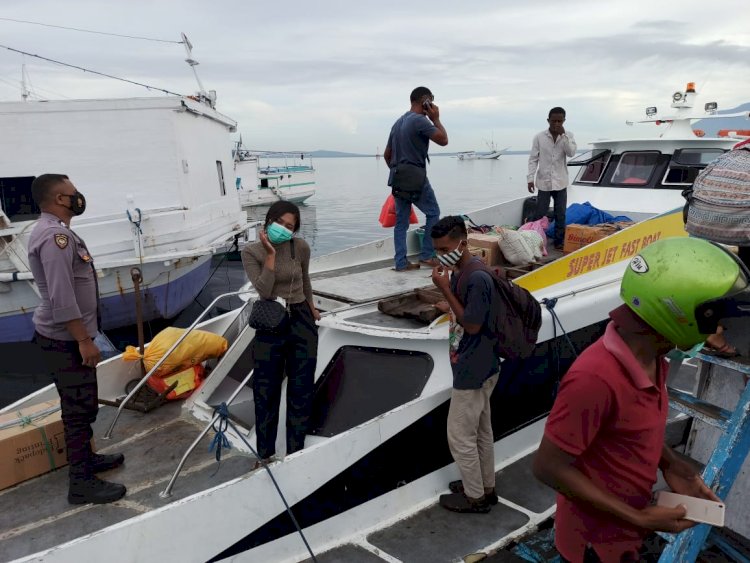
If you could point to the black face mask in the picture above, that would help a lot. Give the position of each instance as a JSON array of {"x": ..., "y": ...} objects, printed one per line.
[{"x": 77, "y": 203}]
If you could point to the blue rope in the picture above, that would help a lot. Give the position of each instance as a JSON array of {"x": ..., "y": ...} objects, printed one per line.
[{"x": 221, "y": 441}]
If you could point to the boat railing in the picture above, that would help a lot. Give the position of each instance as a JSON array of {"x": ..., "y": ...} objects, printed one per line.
[
  {"x": 158, "y": 364},
  {"x": 167, "y": 492}
]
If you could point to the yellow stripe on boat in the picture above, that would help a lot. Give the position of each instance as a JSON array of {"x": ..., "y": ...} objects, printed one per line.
[{"x": 617, "y": 247}]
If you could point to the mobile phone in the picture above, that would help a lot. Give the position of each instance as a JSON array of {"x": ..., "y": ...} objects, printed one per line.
[
  {"x": 427, "y": 104},
  {"x": 698, "y": 509}
]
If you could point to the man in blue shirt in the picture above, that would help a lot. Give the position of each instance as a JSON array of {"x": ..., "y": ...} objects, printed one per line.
[
  {"x": 476, "y": 367},
  {"x": 407, "y": 144}
]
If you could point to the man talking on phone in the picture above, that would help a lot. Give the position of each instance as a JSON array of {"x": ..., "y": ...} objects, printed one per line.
[
  {"x": 604, "y": 438},
  {"x": 548, "y": 170},
  {"x": 406, "y": 155}
]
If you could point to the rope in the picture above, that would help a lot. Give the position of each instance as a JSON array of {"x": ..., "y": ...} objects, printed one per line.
[
  {"x": 93, "y": 31},
  {"x": 138, "y": 222},
  {"x": 91, "y": 71},
  {"x": 137, "y": 225},
  {"x": 550, "y": 305},
  {"x": 220, "y": 441},
  {"x": 27, "y": 420}
]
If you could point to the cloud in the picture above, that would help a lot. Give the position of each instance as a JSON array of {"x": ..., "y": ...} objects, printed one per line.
[{"x": 335, "y": 74}]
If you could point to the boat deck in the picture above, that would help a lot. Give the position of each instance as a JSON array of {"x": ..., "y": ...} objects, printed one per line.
[
  {"x": 36, "y": 513},
  {"x": 435, "y": 534},
  {"x": 378, "y": 280}
]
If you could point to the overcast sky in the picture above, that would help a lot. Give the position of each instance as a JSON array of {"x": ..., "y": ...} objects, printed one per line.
[{"x": 325, "y": 74}]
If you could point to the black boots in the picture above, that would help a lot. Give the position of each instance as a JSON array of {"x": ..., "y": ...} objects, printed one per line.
[
  {"x": 85, "y": 489},
  {"x": 101, "y": 463}
]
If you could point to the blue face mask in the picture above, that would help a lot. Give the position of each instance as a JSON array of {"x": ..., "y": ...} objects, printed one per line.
[
  {"x": 278, "y": 233},
  {"x": 675, "y": 354}
]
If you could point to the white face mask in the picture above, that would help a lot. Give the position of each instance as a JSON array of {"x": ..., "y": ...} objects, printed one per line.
[{"x": 450, "y": 259}]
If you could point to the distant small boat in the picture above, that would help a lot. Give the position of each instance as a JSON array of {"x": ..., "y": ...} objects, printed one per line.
[
  {"x": 473, "y": 155},
  {"x": 259, "y": 185}
]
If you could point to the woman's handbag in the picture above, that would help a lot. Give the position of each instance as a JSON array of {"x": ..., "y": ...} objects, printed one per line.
[{"x": 268, "y": 315}]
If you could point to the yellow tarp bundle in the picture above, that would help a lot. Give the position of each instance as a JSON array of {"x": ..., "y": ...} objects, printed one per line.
[{"x": 198, "y": 346}]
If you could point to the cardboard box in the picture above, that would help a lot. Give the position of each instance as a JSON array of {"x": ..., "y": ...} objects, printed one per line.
[
  {"x": 482, "y": 253},
  {"x": 577, "y": 236},
  {"x": 490, "y": 243},
  {"x": 31, "y": 444}
]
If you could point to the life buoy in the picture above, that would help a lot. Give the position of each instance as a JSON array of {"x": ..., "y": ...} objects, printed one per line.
[{"x": 699, "y": 132}]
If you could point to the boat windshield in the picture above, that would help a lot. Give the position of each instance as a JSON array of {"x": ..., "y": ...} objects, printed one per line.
[{"x": 635, "y": 168}]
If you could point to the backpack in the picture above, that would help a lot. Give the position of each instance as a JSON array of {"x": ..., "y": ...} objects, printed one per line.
[{"x": 515, "y": 315}]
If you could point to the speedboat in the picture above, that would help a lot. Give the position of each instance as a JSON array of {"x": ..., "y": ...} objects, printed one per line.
[{"x": 376, "y": 458}]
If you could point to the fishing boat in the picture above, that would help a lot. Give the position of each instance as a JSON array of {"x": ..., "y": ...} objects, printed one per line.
[
  {"x": 365, "y": 487},
  {"x": 493, "y": 153},
  {"x": 291, "y": 177},
  {"x": 153, "y": 171}
]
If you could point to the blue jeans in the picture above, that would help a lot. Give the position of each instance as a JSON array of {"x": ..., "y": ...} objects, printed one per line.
[{"x": 428, "y": 205}]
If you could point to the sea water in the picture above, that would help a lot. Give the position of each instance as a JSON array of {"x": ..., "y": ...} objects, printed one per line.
[{"x": 344, "y": 212}]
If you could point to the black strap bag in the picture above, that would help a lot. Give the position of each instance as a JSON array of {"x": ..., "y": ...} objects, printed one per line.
[
  {"x": 268, "y": 315},
  {"x": 408, "y": 181}
]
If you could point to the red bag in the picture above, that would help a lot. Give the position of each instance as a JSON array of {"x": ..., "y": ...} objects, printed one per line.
[{"x": 388, "y": 214}]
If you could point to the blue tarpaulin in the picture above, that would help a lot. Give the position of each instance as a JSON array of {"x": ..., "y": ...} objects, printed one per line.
[{"x": 585, "y": 214}]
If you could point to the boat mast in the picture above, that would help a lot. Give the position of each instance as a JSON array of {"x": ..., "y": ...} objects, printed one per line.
[{"x": 209, "y": 98}]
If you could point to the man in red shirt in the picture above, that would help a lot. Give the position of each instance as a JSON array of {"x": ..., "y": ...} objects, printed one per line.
[{"x": 603, "y": 441}]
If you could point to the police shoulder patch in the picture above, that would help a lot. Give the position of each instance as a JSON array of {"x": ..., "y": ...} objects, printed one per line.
[{"x": 61, "y": 240}]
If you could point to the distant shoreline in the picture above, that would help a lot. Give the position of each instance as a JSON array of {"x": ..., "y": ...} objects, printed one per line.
[{"x": 336, "y": 154}]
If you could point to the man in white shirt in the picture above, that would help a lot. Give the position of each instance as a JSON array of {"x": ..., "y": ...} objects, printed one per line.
[{"x": 548, "y": 171}]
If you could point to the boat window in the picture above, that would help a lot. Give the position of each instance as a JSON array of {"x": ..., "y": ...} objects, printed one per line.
[
  {"x": 592, "y": 163},
  {"x": 635, "y": 168},
  {"x": 361, "y": 383},
  {"x": 16, "y": 200},
  {"x": 696, "y": 157},
  {"x": 686, "y": 164},
  {"x": 264, "y": 182},
  {"x": 680, "y": 175},
  {"x": 220, "y": 171}
]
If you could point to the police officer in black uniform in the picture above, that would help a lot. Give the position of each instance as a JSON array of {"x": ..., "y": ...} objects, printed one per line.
[{"x": 66, "y": 323}]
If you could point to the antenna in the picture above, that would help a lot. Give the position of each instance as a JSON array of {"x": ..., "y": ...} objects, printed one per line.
[
  {"x": 193, "y": 63},
  {"x": 24, "y": 88}
]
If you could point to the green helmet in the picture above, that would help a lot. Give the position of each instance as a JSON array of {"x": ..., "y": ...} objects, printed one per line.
[{"x": 671, "y": 278}]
